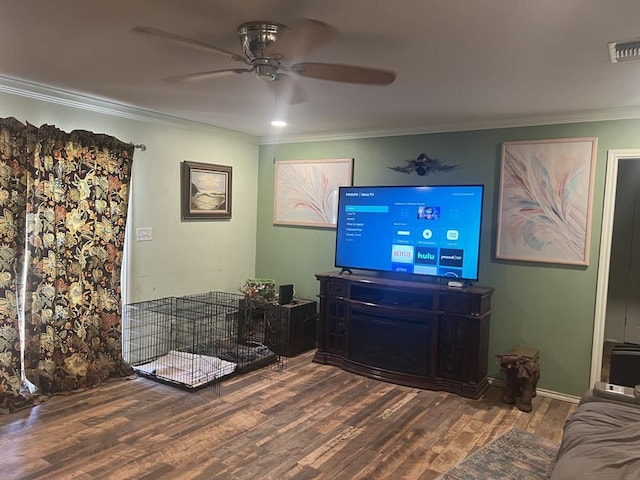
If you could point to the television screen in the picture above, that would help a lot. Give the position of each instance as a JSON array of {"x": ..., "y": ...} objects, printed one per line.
[{"x": 419, "y": 230}]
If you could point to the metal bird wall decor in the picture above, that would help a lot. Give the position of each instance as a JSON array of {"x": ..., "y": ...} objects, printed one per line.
[{"x": 423, "y": 165}]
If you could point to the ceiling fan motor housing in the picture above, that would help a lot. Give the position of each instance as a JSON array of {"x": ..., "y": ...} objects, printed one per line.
[{"x": 256, "y": 39}]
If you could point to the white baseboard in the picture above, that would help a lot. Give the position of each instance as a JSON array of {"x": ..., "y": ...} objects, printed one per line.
[{"x": 541, "y": 391}]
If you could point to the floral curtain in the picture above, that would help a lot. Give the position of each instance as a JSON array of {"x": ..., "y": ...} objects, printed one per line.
[
  {"x": 17, "y": 143},
  {"x": 63, "y": 206}
]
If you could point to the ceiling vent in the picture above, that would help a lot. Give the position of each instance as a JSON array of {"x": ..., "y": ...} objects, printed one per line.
[{"x": 624, "y": 51}]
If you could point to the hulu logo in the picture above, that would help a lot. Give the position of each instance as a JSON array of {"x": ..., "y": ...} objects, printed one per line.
[{"x": 426, "y": 256}]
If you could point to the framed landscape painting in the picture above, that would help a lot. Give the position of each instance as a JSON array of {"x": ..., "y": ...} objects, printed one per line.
[
  {"x": 206, "y": 191},
  {"x": 306, "y": 191},
  {"x": 545, "y": 204}
]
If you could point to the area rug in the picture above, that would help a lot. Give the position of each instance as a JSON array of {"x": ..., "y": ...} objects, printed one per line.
[{"x": 516, "y": 455}]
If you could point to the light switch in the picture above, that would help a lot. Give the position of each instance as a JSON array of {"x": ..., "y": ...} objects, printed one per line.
[{"x": 144, "y": 234}]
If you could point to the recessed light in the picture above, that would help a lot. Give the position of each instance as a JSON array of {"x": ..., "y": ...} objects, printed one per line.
[{"x": 279, "y": 123}]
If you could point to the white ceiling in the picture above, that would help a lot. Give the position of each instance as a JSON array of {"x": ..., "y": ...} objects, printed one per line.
[{"x": 460, "y": 63}]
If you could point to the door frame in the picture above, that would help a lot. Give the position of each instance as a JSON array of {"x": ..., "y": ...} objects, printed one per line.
[{"x": 614, "y": 156}]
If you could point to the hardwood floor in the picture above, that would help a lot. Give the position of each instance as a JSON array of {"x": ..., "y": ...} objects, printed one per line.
[{"x": 309, "y": 422}]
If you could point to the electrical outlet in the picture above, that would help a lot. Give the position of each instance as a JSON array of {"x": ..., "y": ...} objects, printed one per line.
[{"x": 144, "y": 234}]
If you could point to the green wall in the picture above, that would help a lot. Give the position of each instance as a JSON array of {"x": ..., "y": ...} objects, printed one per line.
[
  {"x": 184, "y": 257},
  {"x": 550, "y": 307}
]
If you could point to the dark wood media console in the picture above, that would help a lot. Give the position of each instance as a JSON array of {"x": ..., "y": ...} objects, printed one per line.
[{"x": 410, "y": 333}]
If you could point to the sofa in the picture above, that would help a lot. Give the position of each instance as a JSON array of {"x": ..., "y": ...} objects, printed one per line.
[{"x": 601, "y": 439}]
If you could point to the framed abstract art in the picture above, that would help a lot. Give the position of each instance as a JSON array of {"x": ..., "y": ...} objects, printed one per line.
[
  {"x": 545, "y": 204},
  {"x": 306, "y": 191}
]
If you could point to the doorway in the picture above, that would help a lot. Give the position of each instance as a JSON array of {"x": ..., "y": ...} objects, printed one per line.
[{"x": 615, "y": 300}]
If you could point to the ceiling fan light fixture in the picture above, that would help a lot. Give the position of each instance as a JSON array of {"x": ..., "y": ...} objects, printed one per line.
[{"x": 267, "y": 71}]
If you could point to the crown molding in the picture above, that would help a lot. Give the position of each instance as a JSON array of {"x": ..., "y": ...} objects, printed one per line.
[
  {"x": 61, "y": 97},
  {"x": 84, "y": 102},
  {"x": 625, "y": 113}
]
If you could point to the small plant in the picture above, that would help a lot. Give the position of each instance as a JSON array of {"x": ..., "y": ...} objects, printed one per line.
[{"x": 262, "y": 289}]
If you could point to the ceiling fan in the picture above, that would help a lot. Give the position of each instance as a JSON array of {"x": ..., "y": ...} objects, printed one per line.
[{"x": 267, "y": 49}]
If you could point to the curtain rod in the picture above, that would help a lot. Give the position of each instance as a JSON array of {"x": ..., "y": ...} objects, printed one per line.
[{"x": 141, "y": 146}]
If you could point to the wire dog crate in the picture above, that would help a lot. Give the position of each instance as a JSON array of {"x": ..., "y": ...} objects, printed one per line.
[{"x": 194, "y": 340}]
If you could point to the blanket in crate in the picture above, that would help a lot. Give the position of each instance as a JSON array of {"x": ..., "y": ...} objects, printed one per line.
[{"x": 188, "y": 369}]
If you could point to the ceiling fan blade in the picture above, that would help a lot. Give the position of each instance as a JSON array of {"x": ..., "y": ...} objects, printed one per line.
[
  {"x": 344, "y": 73},
  {"x": 302, "y": 38},
  {"x": 287, "y": 90},
  {"x": 189, "y": 42},
  {"x": 194, "y": 77}
]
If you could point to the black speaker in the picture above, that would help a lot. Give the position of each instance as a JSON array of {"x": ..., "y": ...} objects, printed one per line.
[{"x": 285, "y": 295}]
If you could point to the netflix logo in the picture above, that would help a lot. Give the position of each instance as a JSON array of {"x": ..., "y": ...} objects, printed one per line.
[{"x": 402, "y": 253}]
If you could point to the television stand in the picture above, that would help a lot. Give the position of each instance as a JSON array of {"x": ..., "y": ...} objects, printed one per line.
[{"x": 406, "y": 332}]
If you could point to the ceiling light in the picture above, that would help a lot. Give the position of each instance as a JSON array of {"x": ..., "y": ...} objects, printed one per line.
[{"x": 278, "y": 123}]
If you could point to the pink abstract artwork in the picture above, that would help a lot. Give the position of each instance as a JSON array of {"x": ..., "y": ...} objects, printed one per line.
[
  {"x": 306, "y": 191},
  {"x": 546, "y": 190}
]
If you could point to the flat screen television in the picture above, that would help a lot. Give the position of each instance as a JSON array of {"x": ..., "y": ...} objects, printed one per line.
[{"x": 430, "y": 231}]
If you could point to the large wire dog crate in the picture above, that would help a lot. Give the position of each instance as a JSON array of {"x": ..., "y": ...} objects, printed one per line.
[{"x": 194, "y": 340}]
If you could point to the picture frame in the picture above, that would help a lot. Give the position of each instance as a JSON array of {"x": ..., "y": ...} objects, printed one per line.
[
  {"x": 206, "y": 191},
  {"x": 545, "y": 200},
  {"x": 306, "y": 191}
]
